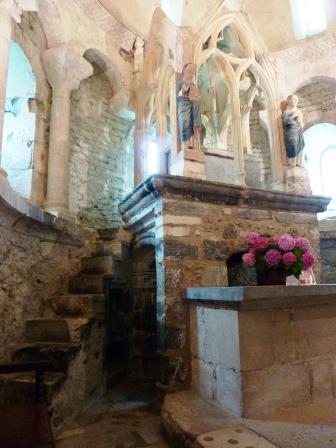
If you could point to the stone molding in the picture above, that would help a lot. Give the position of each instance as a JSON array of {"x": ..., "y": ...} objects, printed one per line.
[
  {"x": 214, "y": 192},
  {"x": 268, "y": 297},
  {"x": 17, "y": 211}
]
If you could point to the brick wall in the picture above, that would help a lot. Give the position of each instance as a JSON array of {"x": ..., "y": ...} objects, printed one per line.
[{"x": 101, "y": 154}]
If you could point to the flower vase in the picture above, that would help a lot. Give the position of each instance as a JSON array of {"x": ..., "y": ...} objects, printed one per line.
[{"x": 270, "y": 277}]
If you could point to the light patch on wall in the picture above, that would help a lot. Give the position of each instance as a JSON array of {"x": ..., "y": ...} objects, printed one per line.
[
  {"x": 19, "y": 123},
  {"x": 309, "y": 17},
  {"x": 320, "y": 160},
  {"x": 152, "y": 159},
  {"x": 173, "y": 9}
]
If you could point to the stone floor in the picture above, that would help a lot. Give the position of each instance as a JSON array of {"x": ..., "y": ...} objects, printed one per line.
[
  {"x": 192, "y": 421},
  {"x": 126, "y": 418},
  {"x": 128, "y": 429}
]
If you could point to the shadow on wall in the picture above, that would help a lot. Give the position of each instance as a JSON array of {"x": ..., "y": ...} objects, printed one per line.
[{"x": 19, "y": 122}]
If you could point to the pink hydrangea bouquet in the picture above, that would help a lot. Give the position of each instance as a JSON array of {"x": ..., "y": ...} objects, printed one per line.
[{"x": 293, "y": 255}]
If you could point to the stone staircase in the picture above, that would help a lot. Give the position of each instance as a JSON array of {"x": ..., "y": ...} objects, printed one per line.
[{"x": 71, "y": 335}]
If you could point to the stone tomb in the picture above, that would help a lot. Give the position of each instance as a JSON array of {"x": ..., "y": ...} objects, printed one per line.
[
  {"x": 266, "y": 352},
  {"x": 195, "y": 226}
]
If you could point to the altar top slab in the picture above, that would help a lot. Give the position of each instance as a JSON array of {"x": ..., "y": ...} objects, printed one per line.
[
  {"x": 216, "y": 192},
  {"x": 262, "y": 297}
]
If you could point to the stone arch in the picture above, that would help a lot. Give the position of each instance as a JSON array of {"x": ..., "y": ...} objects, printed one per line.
[
  {"x": 39, "y": 105},
  {"x": 313, "y": 79},
  {"x": 317, "y": 101},
  {"x": 103, "y": 64},
  {"x": 52, "y": 21}
]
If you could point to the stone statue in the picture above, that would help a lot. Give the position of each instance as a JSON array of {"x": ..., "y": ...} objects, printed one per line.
[
  {"x": 292, "y": 120},
  {"x": 188, "y": 108}
]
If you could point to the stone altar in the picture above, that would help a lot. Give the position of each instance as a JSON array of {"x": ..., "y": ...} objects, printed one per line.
[
  {"x": 266, "y": 352},
  {"x": 195, "y": 226}
]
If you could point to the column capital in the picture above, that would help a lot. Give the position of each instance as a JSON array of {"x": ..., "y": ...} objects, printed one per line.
[
  {"x": 65, "y": 68},
  {"x": 15, "y": 7}
]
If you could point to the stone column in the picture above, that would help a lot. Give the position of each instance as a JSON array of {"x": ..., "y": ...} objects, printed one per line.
[
  {"x": 65, "y": 70},
  {"x": 277, "y": 148},
  {"x": 9, "y": 9},
  {"x": 238, "y": 149}
]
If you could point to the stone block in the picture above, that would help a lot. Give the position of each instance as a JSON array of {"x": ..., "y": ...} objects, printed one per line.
[
  {"x": 322, "y": 379},
  {"x": 87, "y": 284},
  {"x": 256, "y": 336},
  {"x": 254, "y": 214},
  {"x": 284, "y": 344},
  {"x": 295, "y": 217},
  {"x": 278, "y": 387},
  {"x": 182, "y": 220},
  {"x": 228, "y": 390},
  {"x": 47, "y": 330},
  {"x": 176, "y": 249},
  {"x": 177, "y": 231},
  {"x": 214, "y": 275},
  {"x": 216, "y": 250},
  {"x": 221, "y": 326},
  {"x": 185, "y": 208},
  {"x": 314, "y": 331},
  {"x": 204, "y": 378}
]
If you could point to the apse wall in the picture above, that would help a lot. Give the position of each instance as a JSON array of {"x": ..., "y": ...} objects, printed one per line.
[{"x": 101, "y": 154}]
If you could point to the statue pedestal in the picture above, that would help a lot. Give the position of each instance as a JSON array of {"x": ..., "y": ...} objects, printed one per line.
[
  {"x": 298, "y": 180},
  {"x": 189, "y": 163}
]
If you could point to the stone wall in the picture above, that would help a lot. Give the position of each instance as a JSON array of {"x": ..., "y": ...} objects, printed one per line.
[
  {"x": 36, "y": 253},
  {"x": 277, "y": 29},
  {"x": 328, "y": 251},
  {"x": 317, "y": 102},
  {"x": 101, "y": 159}
]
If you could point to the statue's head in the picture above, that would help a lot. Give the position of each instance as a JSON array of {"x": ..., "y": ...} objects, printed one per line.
[
  {"x": 292, "y": 101},
  {"x": 188, "y": 71}
]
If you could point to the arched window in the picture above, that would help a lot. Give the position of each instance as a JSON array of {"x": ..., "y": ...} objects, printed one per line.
[
  {"x": 19, "y": 122},
  {"x": 320, "y": 160},
  {"x": 309, "y": 17}
]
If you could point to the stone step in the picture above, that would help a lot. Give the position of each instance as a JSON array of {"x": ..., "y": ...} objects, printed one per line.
[
  {"x": 57, "y": 353},
  {"x": 79, "y": 328},
  {"x": 77, "y": 305},
  {"x": 99, "y": 264},
  {"x": 87, "y": 284},
  {"x": 47, "y": 330},
  {"x": 19, "y": 388}
]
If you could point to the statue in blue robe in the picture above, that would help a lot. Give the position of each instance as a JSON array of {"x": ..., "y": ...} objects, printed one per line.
[{"x": 188, "y": 108}]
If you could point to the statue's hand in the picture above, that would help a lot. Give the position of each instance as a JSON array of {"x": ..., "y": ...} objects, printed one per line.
[{"x": 185, "y": 86}]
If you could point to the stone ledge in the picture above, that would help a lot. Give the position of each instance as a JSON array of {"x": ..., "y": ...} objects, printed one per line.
[
  {"x": 19, "y": 214},
  {"x": 190, "y": 421},
  {"x": 262, "y": 297},
  {"x": 216, "y": 192}
]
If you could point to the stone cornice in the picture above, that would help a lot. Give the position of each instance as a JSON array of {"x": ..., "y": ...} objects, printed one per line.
[{"x": 214, "y": 192}]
